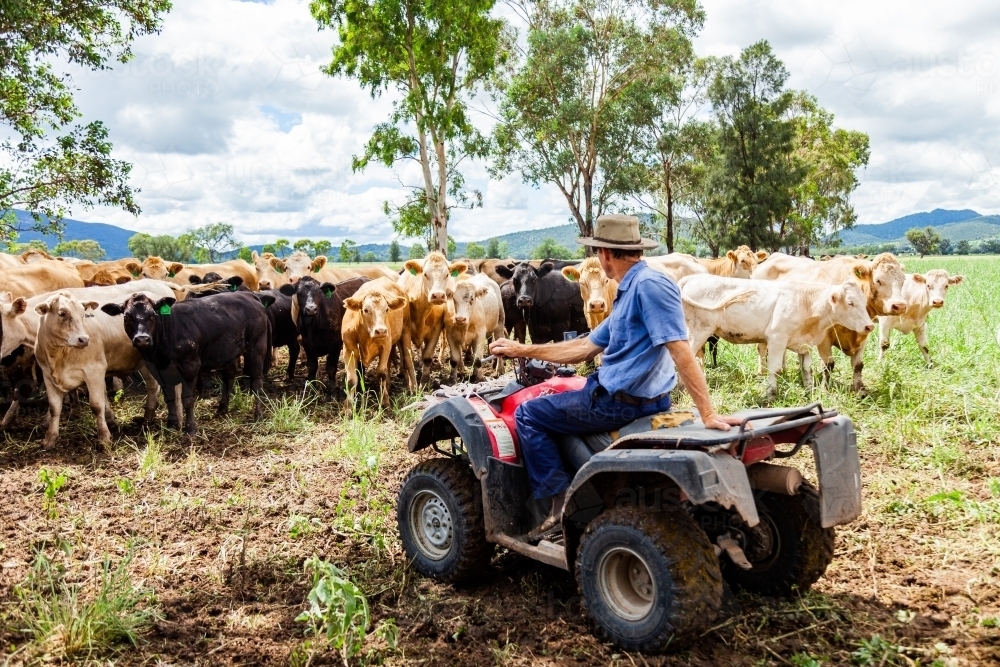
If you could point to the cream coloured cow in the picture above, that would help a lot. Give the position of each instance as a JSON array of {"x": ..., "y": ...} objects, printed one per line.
[
  {"x": 781, "y": 315},
  {"x": 426, "y": 283},
  {"x": 299, "y": 264},
  {"x": 474, "y": 311},
  {"x": 739, "y": 263},
  {"x": 270, "y": 270},
  {"x": 676, "y": 265},
  {"x": 922, "y": 294},
  {"x": 375, "y": 320},
  {"x": 598, "y": 291}
]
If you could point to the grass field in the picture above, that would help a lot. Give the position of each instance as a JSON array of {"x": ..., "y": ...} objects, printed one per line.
[{"x": 159, "y": 551}]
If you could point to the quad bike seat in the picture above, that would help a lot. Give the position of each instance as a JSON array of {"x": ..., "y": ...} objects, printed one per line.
[{"x": 578, "y": 449}]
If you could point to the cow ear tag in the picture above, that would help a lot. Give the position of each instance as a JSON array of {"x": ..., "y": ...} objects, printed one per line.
[
  {"x": 171, "y": 274},
  {"x": 454, "y": 274},
  {"x": 328, "y": 292},
  {"x": 279, "y": 269},
  {"x": 135, "y": 274},
  {"x": 165, "y": 309},
  {"x": 232, "y": 288},
  {"x": 413, "y": 271}
]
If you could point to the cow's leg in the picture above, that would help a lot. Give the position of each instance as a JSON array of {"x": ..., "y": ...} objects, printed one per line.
[
  {"x": 805, "y": 364},
  {"x": 351, "y": 370},
  {"x": 477, "y": 357},
  {"x": 427, "y": 355},
  {"x": 884, "y": 332},
  {"x": 455, "y": 352},
  {"x": 254, "y": 367},
  {"x": 332, "y": 361},
  {"x": 293, "y": 356},
  {"x": 189, "y": 373},
  {"x": 921, "y": 335},
  {"x": 98, "y": 397},
  {"x": 382, "y": 372},
  {"x": 405, "y": 353},
  {"x": 228, "y": 375},
  {"x": 858, "y": 365},
  {"x": 55, "y": 412},
  {"x": 312, "y": 366},
  {"x": 521, "y": 332},
  {"x": 825, "y": 349},
  {"x": 173, "y": 397},
  {"x": 761, "y": 358},
  {"x": 152, "y": 392},
  {"x": 11, "y": 414},
  {"x": 775, "y": 361}
]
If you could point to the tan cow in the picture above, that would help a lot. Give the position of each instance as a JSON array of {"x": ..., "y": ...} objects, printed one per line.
[
  {"x": 922, "y": 293},
  {"x": 598, "y": 291},
  {"x": 739, "y": 263},
  {"x": 880, "y": 279},
  {"x": 375, "y": 321},
  {"x": 489, "y": 268},
  {"x": 426, "y": 283},
  {"x": 299, "y": 264},
  {"x": 75, "y": 347},
  {"x": 7, "y": 260},
  {"x": 676, "y": 265},
  {"x": 38, "y": 278},
  {"x": 119, "y": 268},
  {"x": 32, "y": 255},
  {"x": 474, "y": 310},
  {"x": 780, "y": 315},
  {"x": 270, "y": 270}
]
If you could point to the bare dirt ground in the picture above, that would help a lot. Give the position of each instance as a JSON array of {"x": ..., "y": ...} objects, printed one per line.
[{"x": 219, "y": 528}]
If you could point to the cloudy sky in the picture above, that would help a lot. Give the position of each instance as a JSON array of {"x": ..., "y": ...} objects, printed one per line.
[{"x": 226, "y": 116}]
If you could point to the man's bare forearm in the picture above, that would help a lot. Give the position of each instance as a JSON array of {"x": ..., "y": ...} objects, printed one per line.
[
  {"x": 566, "y": 352},
  {"x": 692, "y": 376}
]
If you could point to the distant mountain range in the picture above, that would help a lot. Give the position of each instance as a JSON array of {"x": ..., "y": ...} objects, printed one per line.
[{"x": 963, "y": 225}]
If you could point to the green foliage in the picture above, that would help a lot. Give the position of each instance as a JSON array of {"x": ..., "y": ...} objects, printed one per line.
[
  {"x": 369, "y": 257},
  {"x": 337, "y": 609},
  {"x": 299, "y": 526},
  {"x": 549, "y": 249},
  {"x": 168, "y": 248},
  {"x": 216, "y": 240},
  {"x": 150, "y": 459},
  {"x": 990, "y": 246},
  {"x": 51, "y": 485},
  {"x": 33, "y": 244},
  {"x": 322, "y": 247},
  {"x": 348, "y": 251},
  {"x": 452, "y": 247},
  {"x": 246, "y": 254},
  {"x": 805, "y": 660},
  {"x": 435, "y": 55},
  {"x": 394, "y": 252},
  {"x": 924, "y": 241},
  {"x": 417, "y": 251},
  {"x": 875, "y": 651},
  {"x": 288, "y": 414},
  {"x": 305, "y": 245},
  {"x": 475, "y": 251},
  {"x": 963, "y": 247},
  {"x": 63, "y": 622},
  {"x": 84, "y": 249},
  {"x": 48, "y": 162}
]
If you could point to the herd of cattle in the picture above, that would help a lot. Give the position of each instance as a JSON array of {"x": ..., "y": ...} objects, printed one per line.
[{"x": 79, "y": 323}]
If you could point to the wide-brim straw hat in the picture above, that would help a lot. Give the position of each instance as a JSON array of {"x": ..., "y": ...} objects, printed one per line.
[{"x": 620, "y": 232}]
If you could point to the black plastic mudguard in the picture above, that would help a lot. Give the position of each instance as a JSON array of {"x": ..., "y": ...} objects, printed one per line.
[
  {"x": 838, "y": 467},
  {"x": 454, "y": 418}
]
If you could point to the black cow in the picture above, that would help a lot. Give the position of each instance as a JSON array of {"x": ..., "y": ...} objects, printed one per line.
[
  {"x": 235, "y": 282},
  {"x": 513, "y": 317},
  {"x": 552, "y": 304},
  {"x": 178, "y": 340},
  {"x": 318, "y": 310},
  {"x": 278, "y": 307}
]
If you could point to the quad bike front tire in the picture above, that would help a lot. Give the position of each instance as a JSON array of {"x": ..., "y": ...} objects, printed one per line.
[
  {"x": 788, "y": 549},
  {"x": 649, "y": 580},
  {"x": 440, "y": 517}
]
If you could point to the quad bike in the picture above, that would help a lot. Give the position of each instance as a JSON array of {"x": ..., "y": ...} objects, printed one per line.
[{"x": 657, "y": 516}]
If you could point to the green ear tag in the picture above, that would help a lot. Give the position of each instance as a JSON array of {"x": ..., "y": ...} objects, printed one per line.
[
  {"x": 413, "y": 271},
  {"x": 454, "y": 274},
  {"x": 328, "y": 292},
  {"x": 135, "y": 274},
  {"x": 171, "y": 274},
  {"x": 316, "y": 270},
  {"x": 279, "y": 269},
  {"x": 165, "y": 309},
  {"x": 232, "y": 288}
]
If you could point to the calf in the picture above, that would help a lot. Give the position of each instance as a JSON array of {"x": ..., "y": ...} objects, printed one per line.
[
  {"x": 73, "y": 348},
  {"x": 284, "y": 333},
  {"x": 780, "y": 315},
  {"x": 553, "y": 305},
  {"x": 474, "y": 310},
  {"x": 374, "y": 322},
  {"x": 597, "y": 290},
  {"x": 178, "y": 340},
  {"x": 739, "y": 263},
  {"x": 922, "y": 294},
  {"x": 514, "y": 322},
  {"x": 426, "y": 283},
  {"x": 318, "y": 311}
]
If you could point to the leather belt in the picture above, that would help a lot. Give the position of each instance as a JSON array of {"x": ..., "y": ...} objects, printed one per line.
[{"x": 622, "y": 397}]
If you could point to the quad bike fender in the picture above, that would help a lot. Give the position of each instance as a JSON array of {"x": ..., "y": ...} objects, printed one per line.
[
  {"x": 835, "y": 448},
  {"x": 454, "y": 418},
  {"x": 700, "y": 476}
]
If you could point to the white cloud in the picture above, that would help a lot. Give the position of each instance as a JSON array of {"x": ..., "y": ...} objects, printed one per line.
[{"x": 226, "y": 116}]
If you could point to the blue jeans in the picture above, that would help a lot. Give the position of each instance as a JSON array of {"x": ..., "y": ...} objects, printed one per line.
[{"x": 588, "y": 410}]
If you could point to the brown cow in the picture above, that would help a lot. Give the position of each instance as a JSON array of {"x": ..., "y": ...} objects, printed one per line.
[
  {"x": 375, "y": 321},
  {"x": 598, "y": 291},
  {"x": 119, "y": 268},
  {"x": 270, "y": 271},
  {"x": 739, "y": 263},
  {"x": 426, "y": 283},
  {"x": 39, "y": 277}
]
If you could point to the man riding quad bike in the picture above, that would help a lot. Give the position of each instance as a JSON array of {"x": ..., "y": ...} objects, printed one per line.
[{"x": 652, "y": 509}]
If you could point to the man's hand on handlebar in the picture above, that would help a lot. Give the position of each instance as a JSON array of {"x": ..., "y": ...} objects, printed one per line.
[
  {"x": 720, "y": 422},
  {"x": 508, "y": 349}
]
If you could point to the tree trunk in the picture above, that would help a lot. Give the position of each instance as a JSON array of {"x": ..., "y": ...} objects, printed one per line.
[
  {"x": 670, "y": 218},
  {"x": 588, "y": 207}
]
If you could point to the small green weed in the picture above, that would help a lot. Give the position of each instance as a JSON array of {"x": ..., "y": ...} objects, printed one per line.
[
  {"x": 337, "y": 611},
  {"x": 805, "y": 660},
  {"x": 289, "y": 415},
  {"x": 150, "y": 459},
  {"x": 876, "y": 651},
  {"x": 125, "y": 486},
  {"x": 51, "y": 484},
  {"x": 299, "y": 525}
]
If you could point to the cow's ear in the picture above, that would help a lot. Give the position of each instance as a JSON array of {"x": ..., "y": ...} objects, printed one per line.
[
  {"x": 328, "y": 289},
  {"x": 504, "y": 271},
  {"x": 174, "y": 268},
  {"x": 121, "y": 280},
  {"x": 19, "y": 306},
  {"x": 318, "y": 263},
  {"x": 42, "y": 308},
  {"x": 113, "y": 309},
  {"x": 954, "y": 280},
  {"x": 163, "y": 306},
  {"x": 919, "y": 278},
  {"x": 194, "y": 280},
  {"x": 277, "y": 264},
  {"x": 352, "y": 303},
  {"x": 234, "y": 283},
  {"x": 458, "y": 268},
  {"x": 762, "y": 255},
  {"x": 413, "y": 266},
  {"x": 861, "y": 271},
  {"x": 731, "y": 255},
  {"x": 266, "y": 299},
  {"x": 397, "y": 302},
  {"x": 90, "y": 305},
  {"x": 481, "y": 292},
  {"x": 545, "y": 269},
  {"x": 6, "y": 298},
  {"x": 254, "y": 256},
  {"x": 288, "y": 289},
  {"x": 135, "y": 268},
  {"x": 836, "y": 294},
  {"x": 571, "y": 273}
]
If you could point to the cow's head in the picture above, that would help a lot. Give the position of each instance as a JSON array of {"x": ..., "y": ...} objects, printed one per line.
[
  {"x": 309, "y": 294},
  {"x": 462, "y": 297},
  {"x": 436, "y": 273},
  {"x": 298, "y": 265},
  {"x": 102, "y": 278},
  {"x": 271, "y": 272},
  {"x": 62, "y": 319},
  {"x": 597, "y": 290},
  {"x": 884, "y": 277},
  {"x": 142, "y": 317},
  {"x": 234, "y": 283},
  {"x": 745, "y": 260},
  {"x": 374, "y": 307},
  {"x": 157, "y": 269},
  {"x": 34, "y": 255},
  {"x": 850, "y": 307},
  {"x": 12, "y": 324},
  {"x": 525, "y": 278},
  {"x": 937, "y": 282}
]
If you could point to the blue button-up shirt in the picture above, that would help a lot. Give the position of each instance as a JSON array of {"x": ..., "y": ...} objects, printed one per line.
[{"x": 647, "y": 313}]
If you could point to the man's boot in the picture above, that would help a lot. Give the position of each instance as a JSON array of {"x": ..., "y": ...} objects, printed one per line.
[{"x": 552, "y": 521}]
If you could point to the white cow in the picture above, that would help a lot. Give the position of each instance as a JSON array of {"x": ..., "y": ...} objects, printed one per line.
[
  {"x": 782, "y": 315},
  {"x": 474, "y": 311},
  {"x": 676, "y": 265},
  {"x": 922, "y": 294}
]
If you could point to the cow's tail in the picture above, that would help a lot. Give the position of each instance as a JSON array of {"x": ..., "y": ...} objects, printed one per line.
[{"x": 731, "y": 301}]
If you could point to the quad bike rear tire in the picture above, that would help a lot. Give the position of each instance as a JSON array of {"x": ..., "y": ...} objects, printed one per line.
[
  {"x": 649, "y": 580},
  {"x": 440, "y": 517},
  {"x": 788, "y": 549}
]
